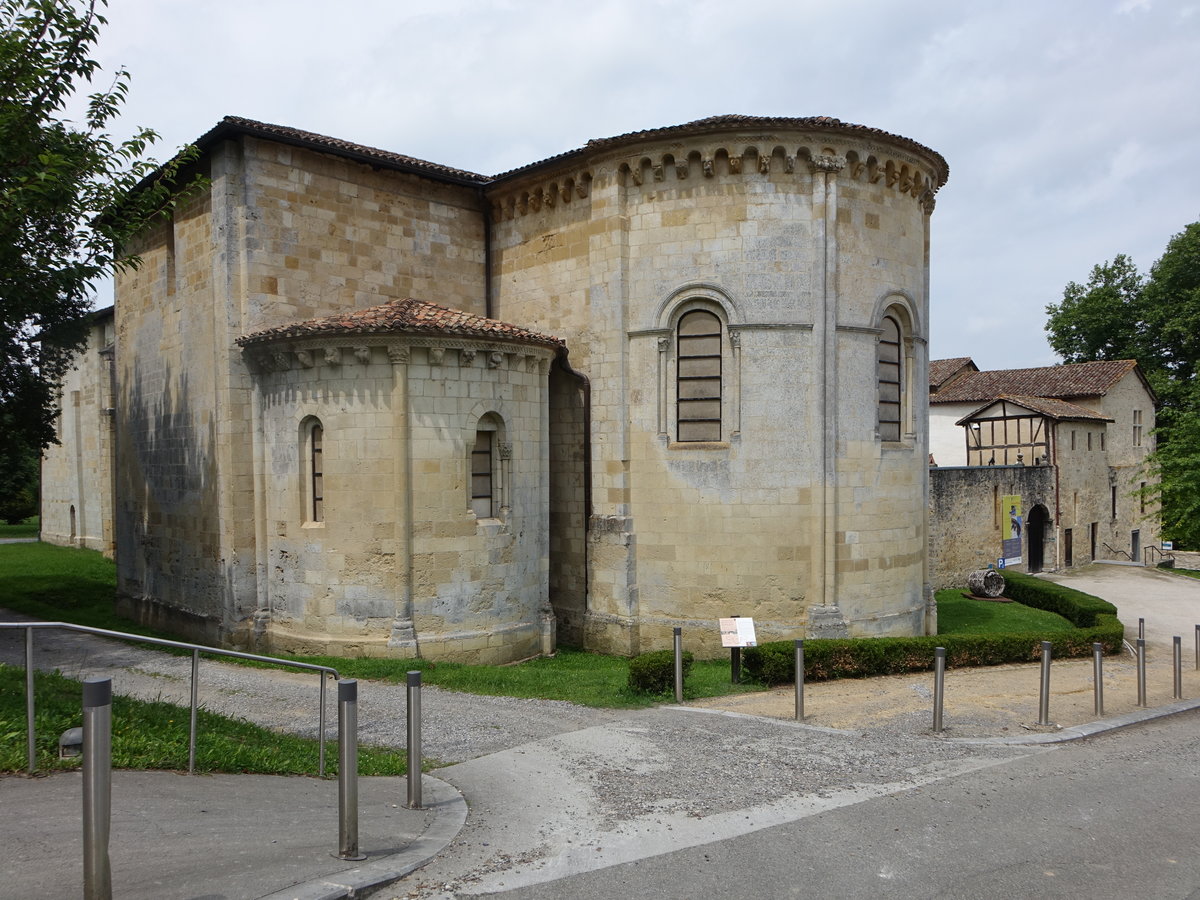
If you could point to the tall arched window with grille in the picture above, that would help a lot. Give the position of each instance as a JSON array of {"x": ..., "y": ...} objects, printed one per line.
[
  {"x": 891, "y": 377},
  {"x": 698, "y": 377},
  {"x": 313, "y": 456}
]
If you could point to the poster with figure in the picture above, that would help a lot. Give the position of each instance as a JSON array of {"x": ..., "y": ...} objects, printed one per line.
[{"x": 1012, "y": 528}]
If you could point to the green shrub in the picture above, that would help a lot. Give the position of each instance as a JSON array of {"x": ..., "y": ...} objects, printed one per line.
[
  {"x": 1095, "y": 621},
  {"x": 654, "y": 672}
]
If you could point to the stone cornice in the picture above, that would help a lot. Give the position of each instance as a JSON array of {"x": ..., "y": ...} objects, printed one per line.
[{"x": 339, "y": 352}]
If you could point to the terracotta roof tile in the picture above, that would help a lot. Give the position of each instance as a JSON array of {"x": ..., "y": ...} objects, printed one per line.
[
  {"x": 942, "y": 369},
  {"x": 1054, "y": 409},
  {"x": 1090, "y": 379},
  {"x": 310, "y": 140},
  {"x": 405, "y": 317}
]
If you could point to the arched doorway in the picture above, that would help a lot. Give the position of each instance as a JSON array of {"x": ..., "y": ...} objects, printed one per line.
[{"x": 1035, "y": 537}]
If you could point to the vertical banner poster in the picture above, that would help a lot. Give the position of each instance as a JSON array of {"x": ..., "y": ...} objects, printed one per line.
[{"x": 1012, "y": 528}]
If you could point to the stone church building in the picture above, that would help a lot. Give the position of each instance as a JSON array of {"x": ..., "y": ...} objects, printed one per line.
[{"x": 359, "y": 403}]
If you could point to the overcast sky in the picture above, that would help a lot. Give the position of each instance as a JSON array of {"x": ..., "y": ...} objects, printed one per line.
[{"x": 1072, "y": 127}]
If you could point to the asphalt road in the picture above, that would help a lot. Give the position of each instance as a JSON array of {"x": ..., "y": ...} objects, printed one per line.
[{"x": 1107, "y": 817}]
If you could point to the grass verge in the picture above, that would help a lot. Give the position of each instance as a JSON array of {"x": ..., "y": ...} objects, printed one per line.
[
  {"x": 26, "y": 529},
  {"x": 958, "y": 614},
  {"x": 154, "y": 735}
]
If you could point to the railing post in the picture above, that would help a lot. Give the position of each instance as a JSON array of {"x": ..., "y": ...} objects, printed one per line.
[
  {"x": 192, "y": 713},
  {"x": 348, "y": 770},
  {"x": 97, "y": 787},
  {"x": 321, "y": 729},
  {"x": 799, "y": 680},
  {"x": 414, "y": 740},
  {"x": 1141, "y": 672},
  {"x": 1178, "y": 642},
  {"x": 678, "y": 664},
  {"x": 939, "y": 687},
  {"x": 1098, "y": 676},
  {"x": 30, "y": 733},
  {"x": 1044, "y": 698},
  {"x": 1198, "y": 648}
]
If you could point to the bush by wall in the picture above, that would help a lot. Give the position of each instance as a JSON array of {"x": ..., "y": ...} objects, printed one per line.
[
  {"x": 1095, "y": 620},
  {"x": 654, "y": 672}
]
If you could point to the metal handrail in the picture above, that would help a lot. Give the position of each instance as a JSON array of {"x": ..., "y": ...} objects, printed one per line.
[
  {"x": 1150, "y": 550},
  {"x": 196, "y": 649},
  {"x": 1116, "y": 552}
]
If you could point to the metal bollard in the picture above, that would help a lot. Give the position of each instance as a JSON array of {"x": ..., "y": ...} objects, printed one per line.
[
  {"x": 414, "y": 740},
  {"x": 1141, "y": 672},
  {"x": 1044, "y": 698},
  {"x": 939, "y": 686},
  {"x": 1198, "y": 648},
  {"x": 799, "y": 680},
  {"x": 348, "y": 770},
  {"x": 1142, "y": 629},
  {"x": 31, "y": 744},
  {"x": 678, "y": 665},
  {"x": 1098, "y": 676},
  {"x": 1178, "y": 667},
  {"x": 97, "y": 787},
  {"x": 192, "y": 714}
]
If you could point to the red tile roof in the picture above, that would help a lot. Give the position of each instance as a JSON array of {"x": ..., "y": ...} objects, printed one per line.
[
  {"x": 1090, "y": 379},
  {"x": 232, "y": 125},
  {"x": 405, "y": 317},
  {"x": 740, "y": 122},
  {"x": 1054, "y": 409},
  {"x": 940, "y": 370}
]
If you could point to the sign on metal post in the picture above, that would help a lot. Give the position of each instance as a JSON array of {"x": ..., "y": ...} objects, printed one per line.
[{"x": 737, "y": 632}]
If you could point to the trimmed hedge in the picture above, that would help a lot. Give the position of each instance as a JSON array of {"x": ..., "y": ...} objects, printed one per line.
[
  {"x": 654, "y": 672},
  {"x": 1095, "y": 621}
]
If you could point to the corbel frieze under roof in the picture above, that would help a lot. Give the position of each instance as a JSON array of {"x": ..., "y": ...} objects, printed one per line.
[{"x": 336, "y": 355}]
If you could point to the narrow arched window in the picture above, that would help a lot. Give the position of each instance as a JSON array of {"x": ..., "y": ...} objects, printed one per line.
[
  {"x": 698, "y": 378},
  {"x": 312, "y": 456},
  {"x": 486, "y": 478},
  {"x": 890, "y": 374}
]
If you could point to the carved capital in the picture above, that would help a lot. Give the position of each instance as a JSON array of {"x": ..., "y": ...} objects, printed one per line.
[
  {"x": 333, "y": 356},
  {"x": 466, "y": 357},
  {"x": 764, "y": 165},
  {"x": 398, "y": 355},
  {"x": 664, "y": 344},
  {"x": 735, "y": 165},
  {"x": 928, "y": 201},
  {"x": 735, "y": 339},
  {"x": 504, "y": 449},
  {"x": 826, "y": 162}
]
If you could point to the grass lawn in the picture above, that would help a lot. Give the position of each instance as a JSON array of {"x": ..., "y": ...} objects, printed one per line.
[
  {"x": 155, "y": 735},
  {"x": 28, "y": 528},
  {"x": 1190, "y": 573},
  {"x": 961, "y": 615}
]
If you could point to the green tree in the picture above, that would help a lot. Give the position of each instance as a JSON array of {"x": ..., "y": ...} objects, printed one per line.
[
  {"x": 67, "y": 204},
  {"x": 1155, "y": 320},
  {"x": 1103, "y": 319}
]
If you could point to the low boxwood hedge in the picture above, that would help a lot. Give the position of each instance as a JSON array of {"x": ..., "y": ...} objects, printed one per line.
[
  {"x": 1095, "y": 621},
  {"x": 654, "y": 672}
]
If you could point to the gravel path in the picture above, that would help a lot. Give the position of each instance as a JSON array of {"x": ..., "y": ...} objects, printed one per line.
[{"x": 454, "y": 727}]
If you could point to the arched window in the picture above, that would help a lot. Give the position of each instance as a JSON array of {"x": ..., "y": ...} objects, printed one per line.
[
  {"x": 890, "y": 372},
  {"x": 312, "y": 455},
  {"x": 486, "y": 480},
  {"x": 698, "y": 377}
]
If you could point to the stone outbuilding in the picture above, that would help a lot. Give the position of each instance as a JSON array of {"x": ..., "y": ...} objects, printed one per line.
[{"x": 712, "y": 402}]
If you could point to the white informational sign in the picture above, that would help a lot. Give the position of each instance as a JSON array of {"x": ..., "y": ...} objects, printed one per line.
[
  {"x": 738, "y": 632},
  {"x": 1168, "y": 545}
]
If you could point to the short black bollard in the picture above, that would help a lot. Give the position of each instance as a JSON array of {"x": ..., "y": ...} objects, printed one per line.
[
  {"x": 414, "y": 740},
  {"x": 799, "y": 680},
  {"x": 1098, "y": 676},
  {"x": 939, "y": 686},
  {"x": 678, "y": 665},
  {"x": 1141, "y": 672},
  {"x": 97, "y": 787},
  {"x": 348, "y": 770},
  {"x": 1198, "y": 648},
  {"x": 1178, "y": 667},
  {"x": 1044, "y": 699},
  {"x": 1142, "y": 629},
  {"x": 735, "y": 663}
]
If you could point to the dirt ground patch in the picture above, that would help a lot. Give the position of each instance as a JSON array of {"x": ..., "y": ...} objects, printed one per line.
[{"x": 1002, "y": 701}]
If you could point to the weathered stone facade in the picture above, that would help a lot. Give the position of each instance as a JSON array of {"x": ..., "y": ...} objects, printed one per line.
[
  {"x": 737, "y": 295},
  {"x": 76, "y": 491}
]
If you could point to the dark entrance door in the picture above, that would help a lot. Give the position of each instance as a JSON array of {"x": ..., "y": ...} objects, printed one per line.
[{"x": 1035, "y": 537}]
